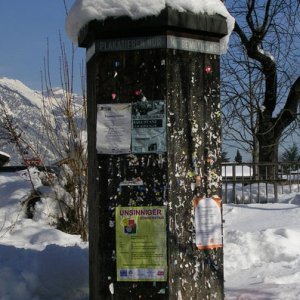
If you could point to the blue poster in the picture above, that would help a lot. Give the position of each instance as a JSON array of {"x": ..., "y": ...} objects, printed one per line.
[{"x": 149, "y": 127}]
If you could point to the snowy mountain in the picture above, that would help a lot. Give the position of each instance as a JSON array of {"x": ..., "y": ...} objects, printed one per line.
[{"x": 25, "y": 106}]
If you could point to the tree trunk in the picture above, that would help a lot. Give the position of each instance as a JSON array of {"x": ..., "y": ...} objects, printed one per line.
[
  {"x": 268, "y": 138},
  {"x": 268, "y": 141},
  {"x": 270, "y": 129}
]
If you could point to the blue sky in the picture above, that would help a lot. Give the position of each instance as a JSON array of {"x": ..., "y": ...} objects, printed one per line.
[{"x": 25, "y": 26}]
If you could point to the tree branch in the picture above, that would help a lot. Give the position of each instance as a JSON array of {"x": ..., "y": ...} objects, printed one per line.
[
  {"x": 240, "y": 33},
  {"x": 288, "y": 113}
]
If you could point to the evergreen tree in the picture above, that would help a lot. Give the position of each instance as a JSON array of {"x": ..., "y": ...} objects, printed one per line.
[
  {"x": 291, "y": 154},
  {"x": 238, "y": 157},
  {"x": 224, "y": 156}
]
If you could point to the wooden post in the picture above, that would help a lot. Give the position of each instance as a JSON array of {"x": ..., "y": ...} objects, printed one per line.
[{"x": 169, "y": 63}]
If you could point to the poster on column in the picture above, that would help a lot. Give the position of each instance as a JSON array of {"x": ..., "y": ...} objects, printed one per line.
[
  {"x": 113, "y": 128},
  {"x": 208, "y": 223},
  {"x": 149, "y": 127},
  {"x": 141, "y": 243}
]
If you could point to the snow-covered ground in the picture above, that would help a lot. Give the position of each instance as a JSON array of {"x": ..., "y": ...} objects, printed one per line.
[
  {"x": 38, "y": 262},
  {"x": 262, "y": 251}
]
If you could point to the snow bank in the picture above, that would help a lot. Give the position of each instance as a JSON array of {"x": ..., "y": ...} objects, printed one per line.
[
  {"x": 15, "y": 187},
  {"x": 84, "y": 11},
  {"x": 37, "y": 261},
  {"x": 52, "y": 274},
  {"x": 262, "y": 245}
]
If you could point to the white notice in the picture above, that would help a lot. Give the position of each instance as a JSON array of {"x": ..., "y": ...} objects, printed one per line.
[
  {"x": 208, "y": 223},
  {"x": 113, "y": 128}
]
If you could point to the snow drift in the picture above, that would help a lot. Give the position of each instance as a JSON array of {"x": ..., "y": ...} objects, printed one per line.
[{"x": 39, "y": 262}]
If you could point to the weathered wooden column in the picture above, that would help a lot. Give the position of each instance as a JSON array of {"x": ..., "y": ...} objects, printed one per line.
[{"x": 154, "y": 156}]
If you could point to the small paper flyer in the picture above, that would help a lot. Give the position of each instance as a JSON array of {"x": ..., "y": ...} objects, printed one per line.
[
  {"x": 208, "y": 223},
  {"x": 149, "y": 127},
  {"x": 114, "y": 128},
  {"x": 141, "y": 243}
]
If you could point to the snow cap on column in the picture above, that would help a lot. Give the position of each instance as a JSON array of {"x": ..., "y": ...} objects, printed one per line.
[{"x": 84, "y": 11}]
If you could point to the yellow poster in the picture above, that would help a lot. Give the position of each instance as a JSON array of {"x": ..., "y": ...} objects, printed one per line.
[{"x": 141, "y": 243}]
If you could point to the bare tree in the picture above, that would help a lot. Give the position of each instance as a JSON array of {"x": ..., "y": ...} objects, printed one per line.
[
  {"x": 261, "y": 88},
  {"x": 64, "y": 119},
  {"x": 13, "y": 134}
]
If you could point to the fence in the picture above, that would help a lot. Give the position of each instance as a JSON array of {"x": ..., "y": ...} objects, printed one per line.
[
  {"x": 247, "y": 183},
  {"x": 243, "y": 183}
]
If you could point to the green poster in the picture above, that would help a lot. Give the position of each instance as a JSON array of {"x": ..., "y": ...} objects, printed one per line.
[{"x": 141, "y": 243}]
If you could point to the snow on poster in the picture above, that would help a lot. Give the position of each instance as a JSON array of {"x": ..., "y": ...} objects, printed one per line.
[
  {"x": 149, "y": 127},
  {"x": 208, "y": 223},
  {"x": 141, "y": 243},
  {"x": 113, "y": 128}
]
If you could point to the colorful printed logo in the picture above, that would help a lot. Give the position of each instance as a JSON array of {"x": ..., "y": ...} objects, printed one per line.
[{"x": 129, "y": 226}]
